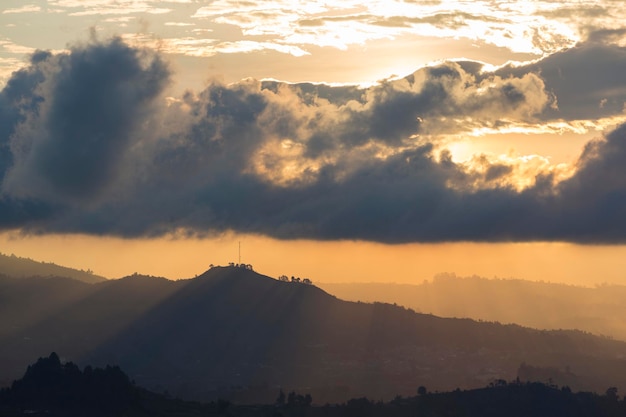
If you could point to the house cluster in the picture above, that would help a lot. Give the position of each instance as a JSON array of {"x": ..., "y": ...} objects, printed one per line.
[
  {"x": 242, "y": 266},
  {"x": 234, "y": 265},
  {"x": 285, "y": 278}
]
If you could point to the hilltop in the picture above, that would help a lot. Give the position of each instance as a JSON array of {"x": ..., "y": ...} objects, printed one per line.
[{"x": 17, "y": 267}]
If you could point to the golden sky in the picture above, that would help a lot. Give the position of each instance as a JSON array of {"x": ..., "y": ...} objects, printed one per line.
[
  {"x": 343, "y": 141},
  {"x": 342, "y": 261}
]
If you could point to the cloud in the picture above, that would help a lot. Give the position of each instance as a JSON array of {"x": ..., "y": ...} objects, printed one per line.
[
  {"x": 181, "y": 24},
  {"x": 7, "y": 67},
  {"x": 580, "y": 78},
  {"x": 577, "y": 12},
  {"x": 536, "y": 28},
  {"x": 14, "y": 48},
  {"x": 88, "y": 144},
  {"x": 14, "y": 213},
  {"x": 203, "y": 47},
  {"x": 251, "y": 46},
  {"x": 111, "y": 7},
  {"x": 18, "y": 99},
  {"x": 207, "y": 47},
  {"x": 530, "y": 29},
  {"x": 29, "y": 8},
  {"x": 73, "y": 116},
  {"x": 593, "y": 200}
]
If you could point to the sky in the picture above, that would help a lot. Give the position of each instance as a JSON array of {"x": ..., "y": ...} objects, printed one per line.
[{"x": 386, "y": 141}]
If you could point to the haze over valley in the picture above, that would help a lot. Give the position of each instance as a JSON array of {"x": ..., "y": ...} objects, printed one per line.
[{"x": 543, "y": 305}]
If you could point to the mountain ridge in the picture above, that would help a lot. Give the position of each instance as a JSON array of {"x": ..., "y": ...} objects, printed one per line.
[
  {"x": 18, "y": 267},
  {"x": 232, "y": 332}
]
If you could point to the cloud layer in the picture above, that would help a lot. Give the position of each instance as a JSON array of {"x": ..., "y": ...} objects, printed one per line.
[
  {"x": 89, "y": 143},
  {"x": 517, "y": 30}
]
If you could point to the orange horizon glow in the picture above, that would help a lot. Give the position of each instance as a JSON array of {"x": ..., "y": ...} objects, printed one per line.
[{"x": 334, "y": 261}]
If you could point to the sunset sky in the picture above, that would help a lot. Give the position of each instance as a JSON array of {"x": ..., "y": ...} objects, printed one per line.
[{"x": 344, "y": 141}]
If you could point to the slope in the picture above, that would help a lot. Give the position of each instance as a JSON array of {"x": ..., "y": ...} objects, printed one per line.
[{"x": 14, "y": 266}]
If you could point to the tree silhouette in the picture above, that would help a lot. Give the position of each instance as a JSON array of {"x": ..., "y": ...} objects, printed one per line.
[
  {"x": 281, "y": 398},
  {"x": 49, "y": 384},
  {"x": 298, "y": 400}
]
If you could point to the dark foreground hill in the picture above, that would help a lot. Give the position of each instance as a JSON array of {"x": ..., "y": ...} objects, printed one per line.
[
  {"x": 52, "y": 389},
  {"x": 233, "y": 333},
  {"x": 17, "y": 267}
]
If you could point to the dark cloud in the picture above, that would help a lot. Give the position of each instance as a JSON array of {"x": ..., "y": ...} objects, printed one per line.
[
  {"x": 606, "y": 35},
  {"x": 588, "y": 81},
  {"x": 90, "y": 104},
  {"x": 16, "y": 213},
  {"x": 17, "y": 99},
  {"x": 593, "y": 202},
  {"x": 90, "y": 150},
  {"x": 98, "y": 100},
  {"x": 496, "y": 171},
  {"x": 401, "y": 199}
]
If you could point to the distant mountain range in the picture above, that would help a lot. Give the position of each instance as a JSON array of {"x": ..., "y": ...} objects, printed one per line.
[
  {"x": 233, "y": 333},
  {"x": 600, "y": 310},
  {"x": 17, "y": 267}
]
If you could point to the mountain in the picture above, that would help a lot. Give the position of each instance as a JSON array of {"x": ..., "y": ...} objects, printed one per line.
[
  {"x": 14, "y": 266},
  {"x": 234, "y": 333},
  {"x": 599, "y": 310}
]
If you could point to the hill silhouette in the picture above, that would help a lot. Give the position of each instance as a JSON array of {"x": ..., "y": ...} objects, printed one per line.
[
  {"x": 233, "y": 333},
  {"x": 599, "y": 310},
  {"x": 17, "y": 267},
  {"x": 51, "y": 388}
]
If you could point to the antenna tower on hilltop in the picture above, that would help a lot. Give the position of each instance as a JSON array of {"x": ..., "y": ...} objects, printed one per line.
[{"x": 240, "y": 252}]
